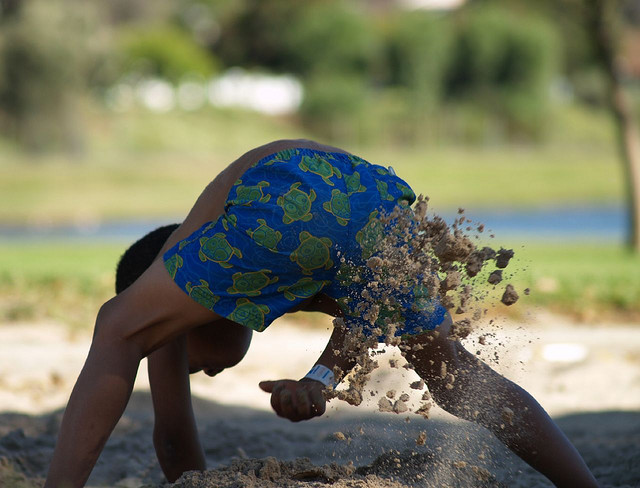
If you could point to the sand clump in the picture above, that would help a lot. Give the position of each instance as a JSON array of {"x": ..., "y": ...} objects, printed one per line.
[
  {"x": 393, "y": 469},
  {"x": 268, "y": 473},
  {"x": 510, "y": 295}
]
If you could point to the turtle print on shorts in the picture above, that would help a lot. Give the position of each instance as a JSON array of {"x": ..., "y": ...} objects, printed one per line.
[{"x": 297, "y": 223}]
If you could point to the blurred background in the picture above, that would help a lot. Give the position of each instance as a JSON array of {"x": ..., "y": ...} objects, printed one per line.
[{"x": 115, "y": 115}]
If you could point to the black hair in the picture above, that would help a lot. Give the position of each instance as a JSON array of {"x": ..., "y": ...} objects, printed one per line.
[{"x": 140, "y": 255}]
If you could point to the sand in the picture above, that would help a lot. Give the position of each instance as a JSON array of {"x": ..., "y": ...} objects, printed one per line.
[
  {"x": 587, "y": 377},
  {"x": 396, "y": 437}
]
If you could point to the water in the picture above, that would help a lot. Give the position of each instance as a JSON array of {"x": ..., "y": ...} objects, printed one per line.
[{"x": 603, "y": 223}]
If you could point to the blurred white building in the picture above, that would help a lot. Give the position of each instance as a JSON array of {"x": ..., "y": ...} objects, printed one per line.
[{"x": 432, "y": 4}]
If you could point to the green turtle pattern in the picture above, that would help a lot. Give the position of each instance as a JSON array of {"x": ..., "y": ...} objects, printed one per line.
[
  {"x": 383, "y": 189},
  {"x": 249, "y": 314},
  {"x": 251, "y": 283},
  {"x": 173, "y": 264},
  {"x": 265, "y": 236},
  {"x": 304, "y": 288},
  {"x": 320, "y": 166},
  {"x": 339, "y": 206},
  {"x": 369, "y": 235},
  {"x": 353, "y": 184},
  {"x": 319, "y": 197},
  {"x": 247, "y": 194},
  {"x": 283, "y": 156},
  {"x": 202, "y": 294},
  {"x": 312, "y": 253},
  {"x": 229, "y": 219},
  {"x": 356, "y": 160},
  {"x": 217, "y": 249},
  {"x": 348, "y": 274},
  {"x": 296, "y": 204},
  {"x": 408, "y": 196},
  {"x": 421, "y": 298}
]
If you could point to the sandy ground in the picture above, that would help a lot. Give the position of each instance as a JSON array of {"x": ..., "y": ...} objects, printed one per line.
[{"x": 587, "y": 377}]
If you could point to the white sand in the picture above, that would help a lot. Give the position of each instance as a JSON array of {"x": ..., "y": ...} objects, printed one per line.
[
  {"x": 588, "y": 377},
  {"x": 567, "y": 368}
]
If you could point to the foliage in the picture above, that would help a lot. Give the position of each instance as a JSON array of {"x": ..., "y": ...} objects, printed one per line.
[
  {"x": 331, "y": 38},
  {"x": 256, "y": 34},
  {"x": 504, "y": 65},
  {"x": 418, "y": 54},
  {"x": 163, "y": 51},
  {"x": 41, "y": 74},
  {"x": 333, "y": 106},
  {"x": 481, "y": 73}
]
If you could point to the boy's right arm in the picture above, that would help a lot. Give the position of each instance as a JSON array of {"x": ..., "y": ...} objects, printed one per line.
[
  {"x": 304, "y": 399},
  {"x": 175, "y": 435}
]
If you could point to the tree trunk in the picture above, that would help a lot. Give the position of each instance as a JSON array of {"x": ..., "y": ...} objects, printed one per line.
[
  {"x": 9, "y": 8},
  {"x": 602, "y": 18}
]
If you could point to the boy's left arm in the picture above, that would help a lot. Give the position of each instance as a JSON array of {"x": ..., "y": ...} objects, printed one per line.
[{"x": 175, "y": 435}]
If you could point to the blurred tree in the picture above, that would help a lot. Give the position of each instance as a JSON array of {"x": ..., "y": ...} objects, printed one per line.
[
  {"x": 505, "y": 65},
  {"x": 603, "y": 21},
  {"x": 300, "y": 38},
  {"x": 256, "y": 35},
  {"x": 163, "y": 51},
  {"x": 132, "y": 11},
  {"x": 333, "y": 106},
  {"x": 331, "y": 37},
  {"x": 417, "y": 57},
  {"x": 45, "y": 55},
  {"x": 592, "y": 32},
  {"x": 9, "y": 8}
]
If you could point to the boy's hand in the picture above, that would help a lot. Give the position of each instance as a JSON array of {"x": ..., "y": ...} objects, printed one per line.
[{"x": 296, "y": 400}]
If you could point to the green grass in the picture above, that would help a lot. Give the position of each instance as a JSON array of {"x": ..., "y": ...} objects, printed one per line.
[
  {"x": 69, "y": 282},
  {"x": 56, "y": 281},
  {"x": 141, "y": 164},
  {"x": 144, "y": 165},
  {"x": 587, "y": 281}
]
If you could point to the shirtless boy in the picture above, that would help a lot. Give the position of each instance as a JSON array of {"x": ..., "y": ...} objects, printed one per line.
[{"x": 267, "y": 237}]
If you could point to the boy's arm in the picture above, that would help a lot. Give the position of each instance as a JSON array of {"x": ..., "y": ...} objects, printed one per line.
[
  {"x": 304, "y": 399},
  {"x": 175, "y": 435}
]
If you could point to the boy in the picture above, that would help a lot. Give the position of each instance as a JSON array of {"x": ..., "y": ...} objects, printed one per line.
[{"x": 268, "y": 237}]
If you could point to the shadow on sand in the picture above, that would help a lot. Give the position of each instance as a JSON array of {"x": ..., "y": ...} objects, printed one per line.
[{"x": 380, "y": 444}]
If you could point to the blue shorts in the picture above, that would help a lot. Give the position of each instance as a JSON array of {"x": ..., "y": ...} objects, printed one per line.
[{"x": 291, "y": 225}]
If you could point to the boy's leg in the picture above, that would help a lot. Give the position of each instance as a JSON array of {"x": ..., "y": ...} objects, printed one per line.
[
  {"x": 149, "y": 313},
  {"x": 475, "y": 392}
]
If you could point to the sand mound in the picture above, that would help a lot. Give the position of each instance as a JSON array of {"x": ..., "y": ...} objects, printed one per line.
[{"x": 393, "y": 470}]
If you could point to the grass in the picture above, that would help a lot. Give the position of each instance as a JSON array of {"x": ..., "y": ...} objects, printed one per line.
[
  {"x": 56, "y": 281},
  {"x": 141, "y": 164},
  {"x": 68, "y": 282},
  {"x": 588, "y": 281},
  {"x": 144, "y": 165}
]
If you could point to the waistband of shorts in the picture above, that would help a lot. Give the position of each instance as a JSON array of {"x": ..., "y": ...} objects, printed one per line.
[{"x": 308, "y": 150}]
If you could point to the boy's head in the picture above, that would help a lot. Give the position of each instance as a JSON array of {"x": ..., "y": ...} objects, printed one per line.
[
  {"x": 210, "y": 347},
  {"x": 140, "y": 255}
]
